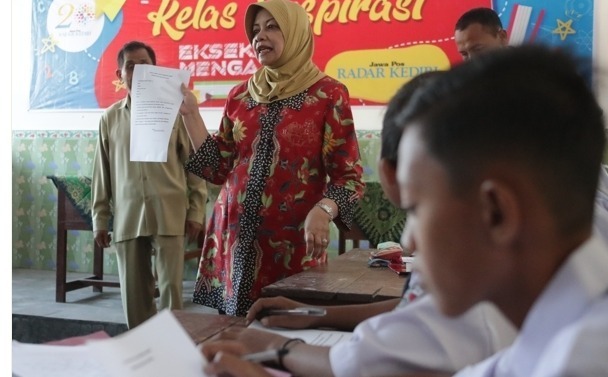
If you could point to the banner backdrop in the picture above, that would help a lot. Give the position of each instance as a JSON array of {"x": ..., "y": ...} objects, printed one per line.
[{"x": 372, "y": 46}]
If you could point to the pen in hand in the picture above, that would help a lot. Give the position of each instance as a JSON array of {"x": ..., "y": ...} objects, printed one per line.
[{"x": 309, "y": 311}]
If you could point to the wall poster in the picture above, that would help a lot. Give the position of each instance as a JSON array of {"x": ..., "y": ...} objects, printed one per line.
[{"x": 372, "y": 46}]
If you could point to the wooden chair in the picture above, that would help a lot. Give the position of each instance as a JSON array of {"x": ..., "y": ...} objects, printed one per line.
[
  {"x": 70, "y": 218},
  {"x": 379, "y": 228},
  {"x": 354, "y": 234}
]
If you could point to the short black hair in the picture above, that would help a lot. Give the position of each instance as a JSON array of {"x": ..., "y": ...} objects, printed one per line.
[
  {"x": 391, "y": 130},
  {"x": 526, "y": 106},
  {"x": 133, "y": 46},
  {"x": 486, "y": 17}
]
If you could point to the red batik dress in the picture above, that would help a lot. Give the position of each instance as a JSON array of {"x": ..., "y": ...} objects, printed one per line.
[{"x": 274, "y": 162}]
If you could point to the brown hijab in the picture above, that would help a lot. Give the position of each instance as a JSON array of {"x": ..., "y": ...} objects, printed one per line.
[{"x": 294, "y": 71}]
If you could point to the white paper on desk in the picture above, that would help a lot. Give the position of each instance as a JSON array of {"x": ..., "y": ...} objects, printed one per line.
[
  {"x": 41, "y": 360},
  {"x": 316, "y": 337},
  {"x": 155, "y": 99},
  {"x": 158, "y": 347}
]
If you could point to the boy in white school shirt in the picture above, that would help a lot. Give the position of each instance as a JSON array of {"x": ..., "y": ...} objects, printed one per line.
[
  {"x": 600, "y": 222},
  {"x": 500, "y": 189}
]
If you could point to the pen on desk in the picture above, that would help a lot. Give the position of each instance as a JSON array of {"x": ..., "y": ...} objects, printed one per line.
[{"x": 311, "y": 311}]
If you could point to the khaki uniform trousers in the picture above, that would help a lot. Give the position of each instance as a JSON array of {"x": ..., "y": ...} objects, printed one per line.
[{"x": 137, "y": 275}]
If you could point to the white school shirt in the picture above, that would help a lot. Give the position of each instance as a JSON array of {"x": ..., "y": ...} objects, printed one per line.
[
  {"x": 566, "y": 331},
  {"x": 600, "y": 222},
  {"x": 418, "y": 337}
]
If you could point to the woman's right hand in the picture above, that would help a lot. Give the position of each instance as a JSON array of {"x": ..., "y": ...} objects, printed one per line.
[
  {"x": 286, "y": 321},
  {"x": 190, "y": 103},
  {"x": 195, "y": 125}
]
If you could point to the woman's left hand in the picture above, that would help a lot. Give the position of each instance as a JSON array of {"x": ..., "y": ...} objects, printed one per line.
[{"x": 316, "y": 232}]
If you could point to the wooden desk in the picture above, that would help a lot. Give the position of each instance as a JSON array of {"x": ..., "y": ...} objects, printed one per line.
[
  {"x": 345, "y": 279},
  {"x": 200, "y": 326},
  {"x": 203, "y": 326}
]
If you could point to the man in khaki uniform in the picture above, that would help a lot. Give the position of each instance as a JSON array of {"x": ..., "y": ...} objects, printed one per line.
[{"x": 153, "y": 204}]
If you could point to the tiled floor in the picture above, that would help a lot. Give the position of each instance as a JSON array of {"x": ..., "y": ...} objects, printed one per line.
[{"x": 33, "y": 296}]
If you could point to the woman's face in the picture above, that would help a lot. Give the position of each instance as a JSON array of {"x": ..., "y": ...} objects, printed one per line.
[{"x": 268, "y": 41}]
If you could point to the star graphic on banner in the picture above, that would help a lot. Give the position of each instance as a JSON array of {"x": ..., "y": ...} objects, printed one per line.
[
  {"x": 110, "y": 8},
  {"x": 563, "y": 29},
  {"x": 118, "y": 85},
  {"x": 48, "y": 44}
]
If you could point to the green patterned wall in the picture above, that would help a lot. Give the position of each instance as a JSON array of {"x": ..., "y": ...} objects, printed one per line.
[{"x": 37, "y": 154}]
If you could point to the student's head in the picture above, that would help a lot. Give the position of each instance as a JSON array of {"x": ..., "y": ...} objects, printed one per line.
[
  {"x": 132, "y": 53},
  {"x": 391, "y": 134},
  {"x": 279, "y": 31},
  {"x": 498, "y": 167},
  {"x": 479, "y": 30}
]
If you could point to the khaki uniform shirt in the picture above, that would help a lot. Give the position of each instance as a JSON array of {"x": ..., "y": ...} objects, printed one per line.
[{"x": 145, "y": 198}]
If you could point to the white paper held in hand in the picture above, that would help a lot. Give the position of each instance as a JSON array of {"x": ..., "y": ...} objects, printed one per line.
[{"x": 155, "y": 100}]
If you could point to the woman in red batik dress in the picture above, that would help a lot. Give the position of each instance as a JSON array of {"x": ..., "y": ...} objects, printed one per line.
[{"x": 287, "y": 157}]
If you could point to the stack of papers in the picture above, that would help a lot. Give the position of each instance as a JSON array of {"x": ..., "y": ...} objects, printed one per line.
[{"x": 158, "y": 347}]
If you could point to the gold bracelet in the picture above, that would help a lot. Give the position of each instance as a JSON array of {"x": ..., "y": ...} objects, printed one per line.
[{"x": 327, "y": 209}]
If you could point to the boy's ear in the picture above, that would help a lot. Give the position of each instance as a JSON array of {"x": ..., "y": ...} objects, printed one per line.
[
  {"x": 388, "y": 171},
  {"x": 502, "y": 34},
  {"x": 501, "y": 214},
  {"x": 388, "y": 179}
]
